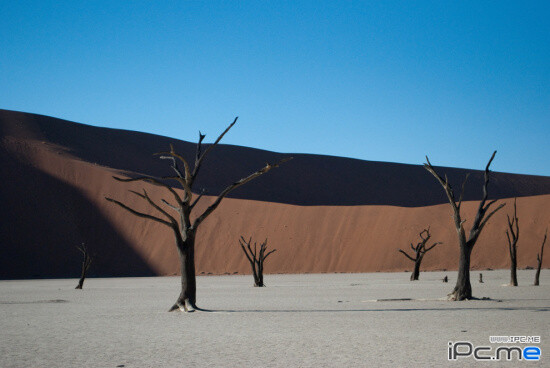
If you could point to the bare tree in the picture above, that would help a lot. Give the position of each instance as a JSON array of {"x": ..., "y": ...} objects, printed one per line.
[
  {"x": 419, "y": 251},
  {"x": 185, "y": 223},
  {"x": 539, "y": 259},
  {"x": 512, "y": 235},
  {"x": 256, "y": 259},
  {"x": 463, "y": 288},
  {"x": 86, "y": 263}
]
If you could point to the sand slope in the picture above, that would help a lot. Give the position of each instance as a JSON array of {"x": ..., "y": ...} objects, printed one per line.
[{"x": 54, "y": 200}]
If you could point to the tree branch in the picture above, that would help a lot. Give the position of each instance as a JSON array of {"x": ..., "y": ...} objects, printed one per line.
[
  {"x": 203, "y": 192},
  {"x": 447, "y": 187},
  {"x": 158, "y": 208},
  {"x": 244, "y": 249},
  {"x": 427, "y": 231},
  {"x": 198, "y": 153},
  {"x": 268, "y": 253},
  {"x": 233, "y": 186},
  {"x": 139, "y": 214},
  {"x": 175, "y": 155},
  {"x": 489, "y": 216},
  {"x": 154, "y": 205},
  {"x": 430, "y": 248},
  {"x": 406, "y": 255},
  {"x": 171, "y": 206},
  {"x": 462, "y": 191},
  {"x": 509, "y": 242},
  {"x": 185, "y": 186},
  {"x": 174, "y": 166},
  {"x": 481, "y": 210},
  {"x": 200, "y": 157},
  {"x": 87, "y": 257},
  {"x": 155, "y": 181}
]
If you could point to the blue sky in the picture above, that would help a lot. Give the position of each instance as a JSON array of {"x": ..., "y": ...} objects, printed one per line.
[{"x": 384, "y": 81}]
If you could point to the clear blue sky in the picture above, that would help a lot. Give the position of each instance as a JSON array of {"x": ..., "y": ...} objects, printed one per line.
[{"x": 385, "y": 81}]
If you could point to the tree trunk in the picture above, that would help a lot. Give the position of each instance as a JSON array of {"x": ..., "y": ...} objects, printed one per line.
[
  {"x": 537, "y": 274},
  {"x": 82, "y": 277},
  {"x": 539, "y": 259},
  {"x": 188, "y": 295},
  {"x": 513, "y": 272},
  {"x": 258, "y": 273},
  {"x": 257, "y": 279},
  {"x": 260, "y": 281},
  {"x": 463, "y": 288},
  {"x": 86, "y": 262},
  {"x": 416, "y": 271}
]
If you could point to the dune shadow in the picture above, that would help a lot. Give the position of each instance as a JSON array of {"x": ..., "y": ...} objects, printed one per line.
[{"x": 44, "y": 219}]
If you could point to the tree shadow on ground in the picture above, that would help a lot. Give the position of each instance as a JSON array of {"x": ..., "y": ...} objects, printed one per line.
[{"x": 458, "y": 309}]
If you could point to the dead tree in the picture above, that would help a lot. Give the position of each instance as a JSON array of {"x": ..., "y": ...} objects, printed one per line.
[
  {"x": 419, "y": 251},
  {"x": 256, "y": 259},
  {"x": 512, "y": 235},
  {"x": 463, "y": 288},
  {"x": 86, "y": 262},
  {"x": 185, "y": 223},
  {"x": 539, "y": 259}
]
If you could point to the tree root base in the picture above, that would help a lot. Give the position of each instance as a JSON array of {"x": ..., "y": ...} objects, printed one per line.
[
  {"x": 453, "y": 297},
  {"x": 182, "y": 307}
]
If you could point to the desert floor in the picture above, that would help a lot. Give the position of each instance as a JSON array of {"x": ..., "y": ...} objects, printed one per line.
[{"x": 312, "y": 320}]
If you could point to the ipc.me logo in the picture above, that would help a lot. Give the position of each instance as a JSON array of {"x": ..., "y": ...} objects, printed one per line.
[{"x": 465, "y": 349}]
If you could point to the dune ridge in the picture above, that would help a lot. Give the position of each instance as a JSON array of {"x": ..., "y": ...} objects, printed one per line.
[{"x": 55, "y": 200}]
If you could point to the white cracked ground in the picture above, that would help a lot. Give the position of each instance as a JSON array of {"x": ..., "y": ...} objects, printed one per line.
[{"x": 312, "y": 320}]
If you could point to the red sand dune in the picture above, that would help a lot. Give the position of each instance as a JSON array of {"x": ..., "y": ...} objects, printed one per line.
[{"x": 56, "y": 174}]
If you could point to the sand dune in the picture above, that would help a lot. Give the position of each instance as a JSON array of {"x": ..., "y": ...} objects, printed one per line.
[
  {"x": 310, "y": 180},
  {"x": 54, "y": 197}
]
